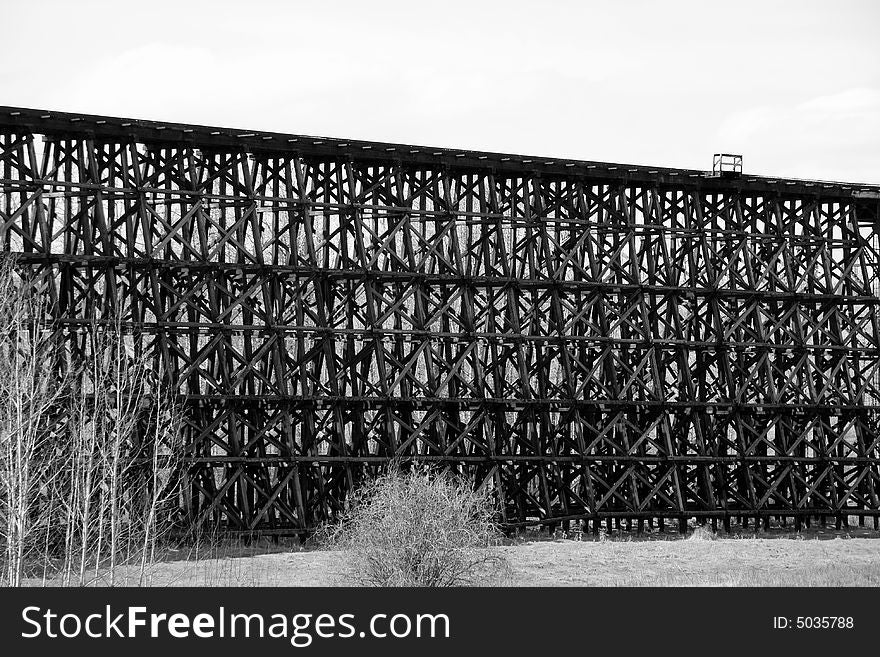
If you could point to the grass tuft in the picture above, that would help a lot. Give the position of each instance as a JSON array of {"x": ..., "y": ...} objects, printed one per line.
[{"x": 702, "y": 533}]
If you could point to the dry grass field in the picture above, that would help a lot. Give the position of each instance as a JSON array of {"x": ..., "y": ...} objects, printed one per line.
[{"x": 816, "y": 558}]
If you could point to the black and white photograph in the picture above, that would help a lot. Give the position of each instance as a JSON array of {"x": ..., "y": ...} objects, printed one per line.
[{"x": 578, "y": 298}]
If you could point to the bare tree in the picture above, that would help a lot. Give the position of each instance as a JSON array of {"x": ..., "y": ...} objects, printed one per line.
[
  {"x": 97, "y": 491},
  {"x": 29, "y": 390},
  {"x": 121, "y": 468}
]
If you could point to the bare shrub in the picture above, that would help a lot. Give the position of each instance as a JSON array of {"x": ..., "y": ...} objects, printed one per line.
[{"x": 417, "y": 528}]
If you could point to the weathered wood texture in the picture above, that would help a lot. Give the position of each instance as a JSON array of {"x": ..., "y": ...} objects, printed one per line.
[{"x": 591, "y": 340}]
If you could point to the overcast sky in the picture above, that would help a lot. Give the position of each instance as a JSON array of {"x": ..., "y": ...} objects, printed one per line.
[{"x": 793, "y": 86}]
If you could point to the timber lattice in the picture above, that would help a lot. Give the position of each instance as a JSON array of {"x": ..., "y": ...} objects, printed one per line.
[{"x": 591, "y": 340}]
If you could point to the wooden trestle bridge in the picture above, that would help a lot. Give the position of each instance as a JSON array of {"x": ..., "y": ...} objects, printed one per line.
[{"x": 593, "y": 341}]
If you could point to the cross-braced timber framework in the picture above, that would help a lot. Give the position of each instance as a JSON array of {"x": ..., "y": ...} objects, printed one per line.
[{"x": 593, "y": 341}]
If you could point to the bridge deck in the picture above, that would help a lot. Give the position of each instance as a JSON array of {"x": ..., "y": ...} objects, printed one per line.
[{"x": 199, "y": 136}]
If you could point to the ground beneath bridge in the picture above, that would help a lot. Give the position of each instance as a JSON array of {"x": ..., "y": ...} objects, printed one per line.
[{"x": 818, "y": 558}]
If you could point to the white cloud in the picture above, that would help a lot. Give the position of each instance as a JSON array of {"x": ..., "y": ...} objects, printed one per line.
[
  {"x": 743, "y": 125},
  {"x": 642, "y": 82},
  {"x": 143, "y": 82},
  {"x": 835, "y": 136},
  {"x": 857, "y": 101}
]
